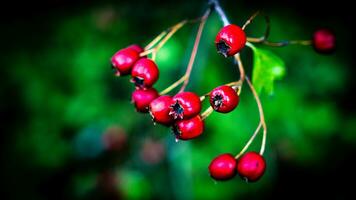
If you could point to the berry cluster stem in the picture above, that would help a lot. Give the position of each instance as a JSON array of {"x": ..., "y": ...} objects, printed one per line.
[
  {"x": 263, "y": 39},
  {"x": 250, "y": 20},
  {"x": 207, "y": 112},
  {"x": 247, "y": 145},
  {"x": 281, "y": 43},
  {"x": 243, "y": 77},
  {"x": 185, "y": 78},
  {"x": 161, "y": 39},
  {"x": 262, "y": 117},
  {"x": 195, "y": 49},
  {"x": 240, "y": 67}
]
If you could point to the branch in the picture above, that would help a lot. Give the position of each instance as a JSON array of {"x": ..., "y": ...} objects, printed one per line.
[
  {"x": 185, "y": 78},
  {"x": 220, "y": 11}
]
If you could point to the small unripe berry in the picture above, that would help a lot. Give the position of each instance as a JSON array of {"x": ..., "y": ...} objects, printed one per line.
[
  {"x": 324, "y": 41},
  {"x": 224, "y": 99},
  {"x": 230, "y": 40},
  {"x": 251, "y": 166},
  {"x": 143, "y": 97},
  {"x": 144, "y": 73},
  {"x": 187, "y": 129},
  {"x": 223, "y": 167}
]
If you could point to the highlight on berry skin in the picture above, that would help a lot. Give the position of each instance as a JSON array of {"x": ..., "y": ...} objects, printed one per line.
[{"x": 230, "y": 40}]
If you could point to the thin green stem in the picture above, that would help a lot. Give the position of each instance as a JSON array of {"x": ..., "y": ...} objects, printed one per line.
[
  {"x": 262, "y": 117},
  {"x": 174, "y": 85},
  {"x": 247, "y": 145},
  {"x": 207, "y": 112}
]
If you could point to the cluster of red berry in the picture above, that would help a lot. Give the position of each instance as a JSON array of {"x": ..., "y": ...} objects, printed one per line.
[{"x": 182, "y": 111}]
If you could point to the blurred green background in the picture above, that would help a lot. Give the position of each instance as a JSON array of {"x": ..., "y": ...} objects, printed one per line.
[{"x": 70, "y": 132}]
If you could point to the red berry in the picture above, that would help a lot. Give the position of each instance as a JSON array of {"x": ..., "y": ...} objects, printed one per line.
[
  {"x": 136, "y": 47},
  {"x": 188, "y": 128},
  {"x": 143, "y": 97},
  {"x": 123, "y": 60},
  {"x": 160, "y": 108},
  {"x": 223, "y": 167},
  {"x": 251, "y": 166},
  {"x": 144, "y": 73},
  {"x": 230, "y": 40},
  {"x": 186, "y": 105},
  {"x": 224, "y": 99},
  {"x": 324, "y": 41}
]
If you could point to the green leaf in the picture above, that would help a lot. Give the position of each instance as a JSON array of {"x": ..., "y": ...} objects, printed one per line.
[{"x": 267, "y": 67}]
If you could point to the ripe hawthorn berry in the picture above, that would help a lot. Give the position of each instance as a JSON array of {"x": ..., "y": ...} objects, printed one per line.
[
  {"x": 230, "y": 40},
  {"x": 143, "y": 97},
  {"x": 186, "y": 105},
  {"x": 223, "y": 167},
  {"x": 160, "y": 108},
  {"x": 224, "y": 99},
  {"x": 251, "y": 166},
  {"x": 144, "y": 73},
  {"x": 123, "y": 60},
  {"x": 324, "y": 41},
  {"x": 187, "y": 129}
]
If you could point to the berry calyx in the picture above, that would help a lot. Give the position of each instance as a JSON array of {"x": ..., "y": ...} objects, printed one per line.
[
  {"x": 223, "y": 167},
  {"x": 324, "y": 41},
  {"x": 230, "y": 40},
  {"x": 123, "y": 61},
  {"x": 186, "y": 105},
  {"x": 189, "y": 128},
  {"x": 160, "y": 108},
  {"x": 224, "y": 99},
  {"x": 251, "y": 166},
  {"x": 144, "y": 73},
  {"x": 143, "y": 97}
]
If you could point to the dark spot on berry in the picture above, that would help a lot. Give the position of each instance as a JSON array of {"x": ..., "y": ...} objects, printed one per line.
[
  {"x": 218, "y": 101},
  {"x": 177, "y": 110},
  {"x": 223, "y": 48},
  {"x": 138, "y": 81}
]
